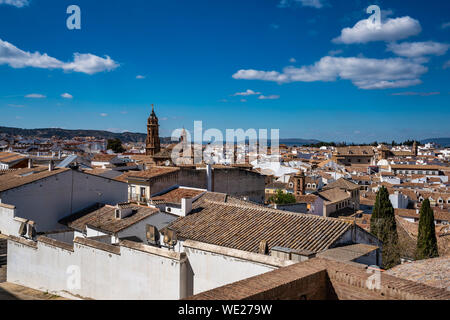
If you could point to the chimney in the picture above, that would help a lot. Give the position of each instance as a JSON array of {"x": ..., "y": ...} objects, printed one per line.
[
  {"x": 30, "y": 163},
  {"x": 209, "y": 177},
  {"x": 186, "y": 206},
  {"x": 121, "y": 213},
  {"x": 50, "y": 165}
]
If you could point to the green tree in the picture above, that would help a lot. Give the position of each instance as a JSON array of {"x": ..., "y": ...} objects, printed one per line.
[
  {"x": 115, "y": 145},
  {"x": 282, "y": 198},
  {"x": 426, "y": 240},
  {"x": 384, "y": 226}
]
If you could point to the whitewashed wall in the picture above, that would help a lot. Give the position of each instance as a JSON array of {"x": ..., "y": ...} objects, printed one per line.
[
  {"x": 48, "y": 200},
  {"x": 9, "y": 223},
  {"x": 133, "y": 274},
  {"x": 215, "y": 266}
]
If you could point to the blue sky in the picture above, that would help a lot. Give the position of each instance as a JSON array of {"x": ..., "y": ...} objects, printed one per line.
[{"x": 310, "y": 68}]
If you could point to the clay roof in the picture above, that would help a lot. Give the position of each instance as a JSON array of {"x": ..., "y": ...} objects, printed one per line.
[
  {"x": 354, "y": 151},
  {"x": 103, "y": 218},
  {"x": 334, "y": 195},
  {"x": 24, "y": 176},
  {"x": 307, "y": 198},
  {"x": 343, "y": 184},
  {"x": 175, "y": 195},
  {"x": 243, "y": 227},
  {"x": 416, "y": 167},
  {"x": 100, "y": 157},
  {"x": 346, "y": 280},
  {"x": 151, "y": 172},
  {"x": 10, "y": 157},
  {"x": 432, "y": 272}
]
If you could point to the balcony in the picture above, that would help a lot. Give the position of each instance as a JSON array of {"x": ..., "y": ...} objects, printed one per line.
[{"x": 137, "y": 198}]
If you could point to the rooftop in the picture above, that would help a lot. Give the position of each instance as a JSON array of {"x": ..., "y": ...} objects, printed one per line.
[
  {"x": 24, "y": 176},
  {"x": 432, "y": 272},
  {"x": 104, "y": 218},
  {"x": 343, "y": 184},
  {"x": 175, "y": 195},
  {"x": 152, "y": 172},
  {"x": 240, "y": 226},
  {"x": 322, "y": 279}
]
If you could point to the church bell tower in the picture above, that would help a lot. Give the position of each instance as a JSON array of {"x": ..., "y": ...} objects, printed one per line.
[{"x": 152, "y": 143}]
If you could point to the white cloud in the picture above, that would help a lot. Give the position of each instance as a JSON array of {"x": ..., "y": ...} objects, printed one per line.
[
  {"x": 304, "y": 3},
  {"x": 247, "y": 93},
  {"x": 140, "y": 77},
  {"x": 35, "y": 96},
  {"x": 363, "y": 72},
  {"x": 335, "y": 52},
  {"x": 243, "y": 100},
  {"x": 271, "y": 97},
  {"x": 445, "y": 25},
  {"x": 67, "y": 96},
  {"x": 90, "y": 64},
  {"x": 422, "y": 94},
  {"x": 392, "y": 30},
  {"x": 15, "y": 3},
  {"x": 16, "y": 105},
  {"x": 85, "y": 63},
  {"x": 292, "y": 60},
  {"x": 103, "y": 114},
  {"x": 418, "y": 49}
]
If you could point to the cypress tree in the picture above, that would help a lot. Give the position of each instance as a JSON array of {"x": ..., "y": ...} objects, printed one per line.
[
  {"x": 426, "y": 240},
  {"x": 384, "y": 226}
]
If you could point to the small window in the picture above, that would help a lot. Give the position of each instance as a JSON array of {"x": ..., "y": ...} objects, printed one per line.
[{"x": 117, "y": 213}]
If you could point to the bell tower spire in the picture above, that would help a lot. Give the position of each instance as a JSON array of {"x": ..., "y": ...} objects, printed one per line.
[{"x": 152, "y": 144}]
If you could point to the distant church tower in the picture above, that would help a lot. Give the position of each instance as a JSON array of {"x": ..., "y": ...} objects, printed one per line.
[
  {"x": 415, "y": 148},
  {"x": 152, "y": 143}
]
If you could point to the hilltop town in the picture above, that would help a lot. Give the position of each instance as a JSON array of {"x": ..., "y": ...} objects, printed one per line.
[{"x": 78, "y": 215}]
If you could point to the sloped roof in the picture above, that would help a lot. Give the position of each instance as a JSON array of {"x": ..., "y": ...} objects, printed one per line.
[
  {"x": 343, "y": 184},
  {"x": 103, "y": 218},
  {"x": 334, "y": 195},
  {"x": 24, "y": 176},
  {"x": 432, "y": 272},
  {"x": 242, "y": 226}
]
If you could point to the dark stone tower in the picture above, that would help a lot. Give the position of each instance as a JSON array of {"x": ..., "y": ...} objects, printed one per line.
[
  {"x": 299, "y": 184},
  {"x": 152, "y": 143}
]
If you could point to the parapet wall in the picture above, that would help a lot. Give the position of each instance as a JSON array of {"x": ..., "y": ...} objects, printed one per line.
[
  {"x": 321, "y": 279},
  {"x": 96, "y": 270},
  {"x": 215, "y": 266}
]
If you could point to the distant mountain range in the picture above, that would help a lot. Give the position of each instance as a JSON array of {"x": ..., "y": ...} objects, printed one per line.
[
  {"x": 140, "y": 137},
  {"x": 443, "y": 142},
  {"x": 70, "y": 134},
  {"x": 66, "y": 134}
]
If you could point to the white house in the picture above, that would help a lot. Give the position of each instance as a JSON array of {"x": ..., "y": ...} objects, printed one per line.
[{"x": 46, "y": 195}]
